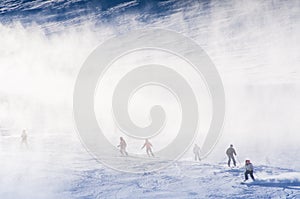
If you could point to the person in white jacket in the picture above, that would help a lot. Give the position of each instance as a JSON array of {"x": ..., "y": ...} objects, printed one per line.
[
  {"x": 196, "y": 151},
  {"x": 249, "y": 170}
]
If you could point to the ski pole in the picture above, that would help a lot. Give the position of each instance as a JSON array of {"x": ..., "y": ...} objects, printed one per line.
[
  {"x": 238, "y": 160},
  {"x": 224, "y": 160},
  {"x": 257, "y": 175}
]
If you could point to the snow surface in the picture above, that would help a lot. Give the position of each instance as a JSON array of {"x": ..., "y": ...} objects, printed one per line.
[
  {"x": 60, "y": 168},
  {"x": 188, "y": 180}
]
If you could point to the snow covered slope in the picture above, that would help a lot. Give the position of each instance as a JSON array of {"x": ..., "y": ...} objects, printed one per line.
[
  {"x": 53, "y": 167},
  {"x": 188, "y": 180}
]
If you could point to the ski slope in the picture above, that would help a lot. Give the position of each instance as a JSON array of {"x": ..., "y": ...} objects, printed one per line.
[
  {"x": 57, "y": 166},
  {"x": 188, "y": 180}
]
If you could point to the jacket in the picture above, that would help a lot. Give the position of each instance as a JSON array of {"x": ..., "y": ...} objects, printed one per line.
[
  {"x": 249, "y": 167},
  {"x": 230, "y": 151}
]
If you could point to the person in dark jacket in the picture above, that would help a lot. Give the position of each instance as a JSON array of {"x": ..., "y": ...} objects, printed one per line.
[
  {"x": 24, "y": 138},
  {"x": 123, "y": 146},
  {"x": 249, "y": 170},
  {"x": 230, "y": 152}
]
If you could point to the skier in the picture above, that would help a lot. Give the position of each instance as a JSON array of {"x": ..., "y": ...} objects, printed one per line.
[
  {"x": 123, "y": 146},
  {"x": 230, "y": 152},
  {"x": 249, "y": 170},
  {"x": 196, "y": 151},
  {"x": 24, "y": 138},
  {"x": 148, "y": 146}
]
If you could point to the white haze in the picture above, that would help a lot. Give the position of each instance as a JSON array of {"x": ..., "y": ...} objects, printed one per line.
[{"x": 254, "y": 45}]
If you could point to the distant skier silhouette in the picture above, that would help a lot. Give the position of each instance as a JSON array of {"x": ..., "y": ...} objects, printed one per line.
[
  {"x": 230, "y": 152},
  {"x": 249, "y": 170},
  {"x": 24, "y": 138},
  {"x": 197, "y": 151},
  {"x": 123, "y": 146},
  {"x": 148, "y": 146}
]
